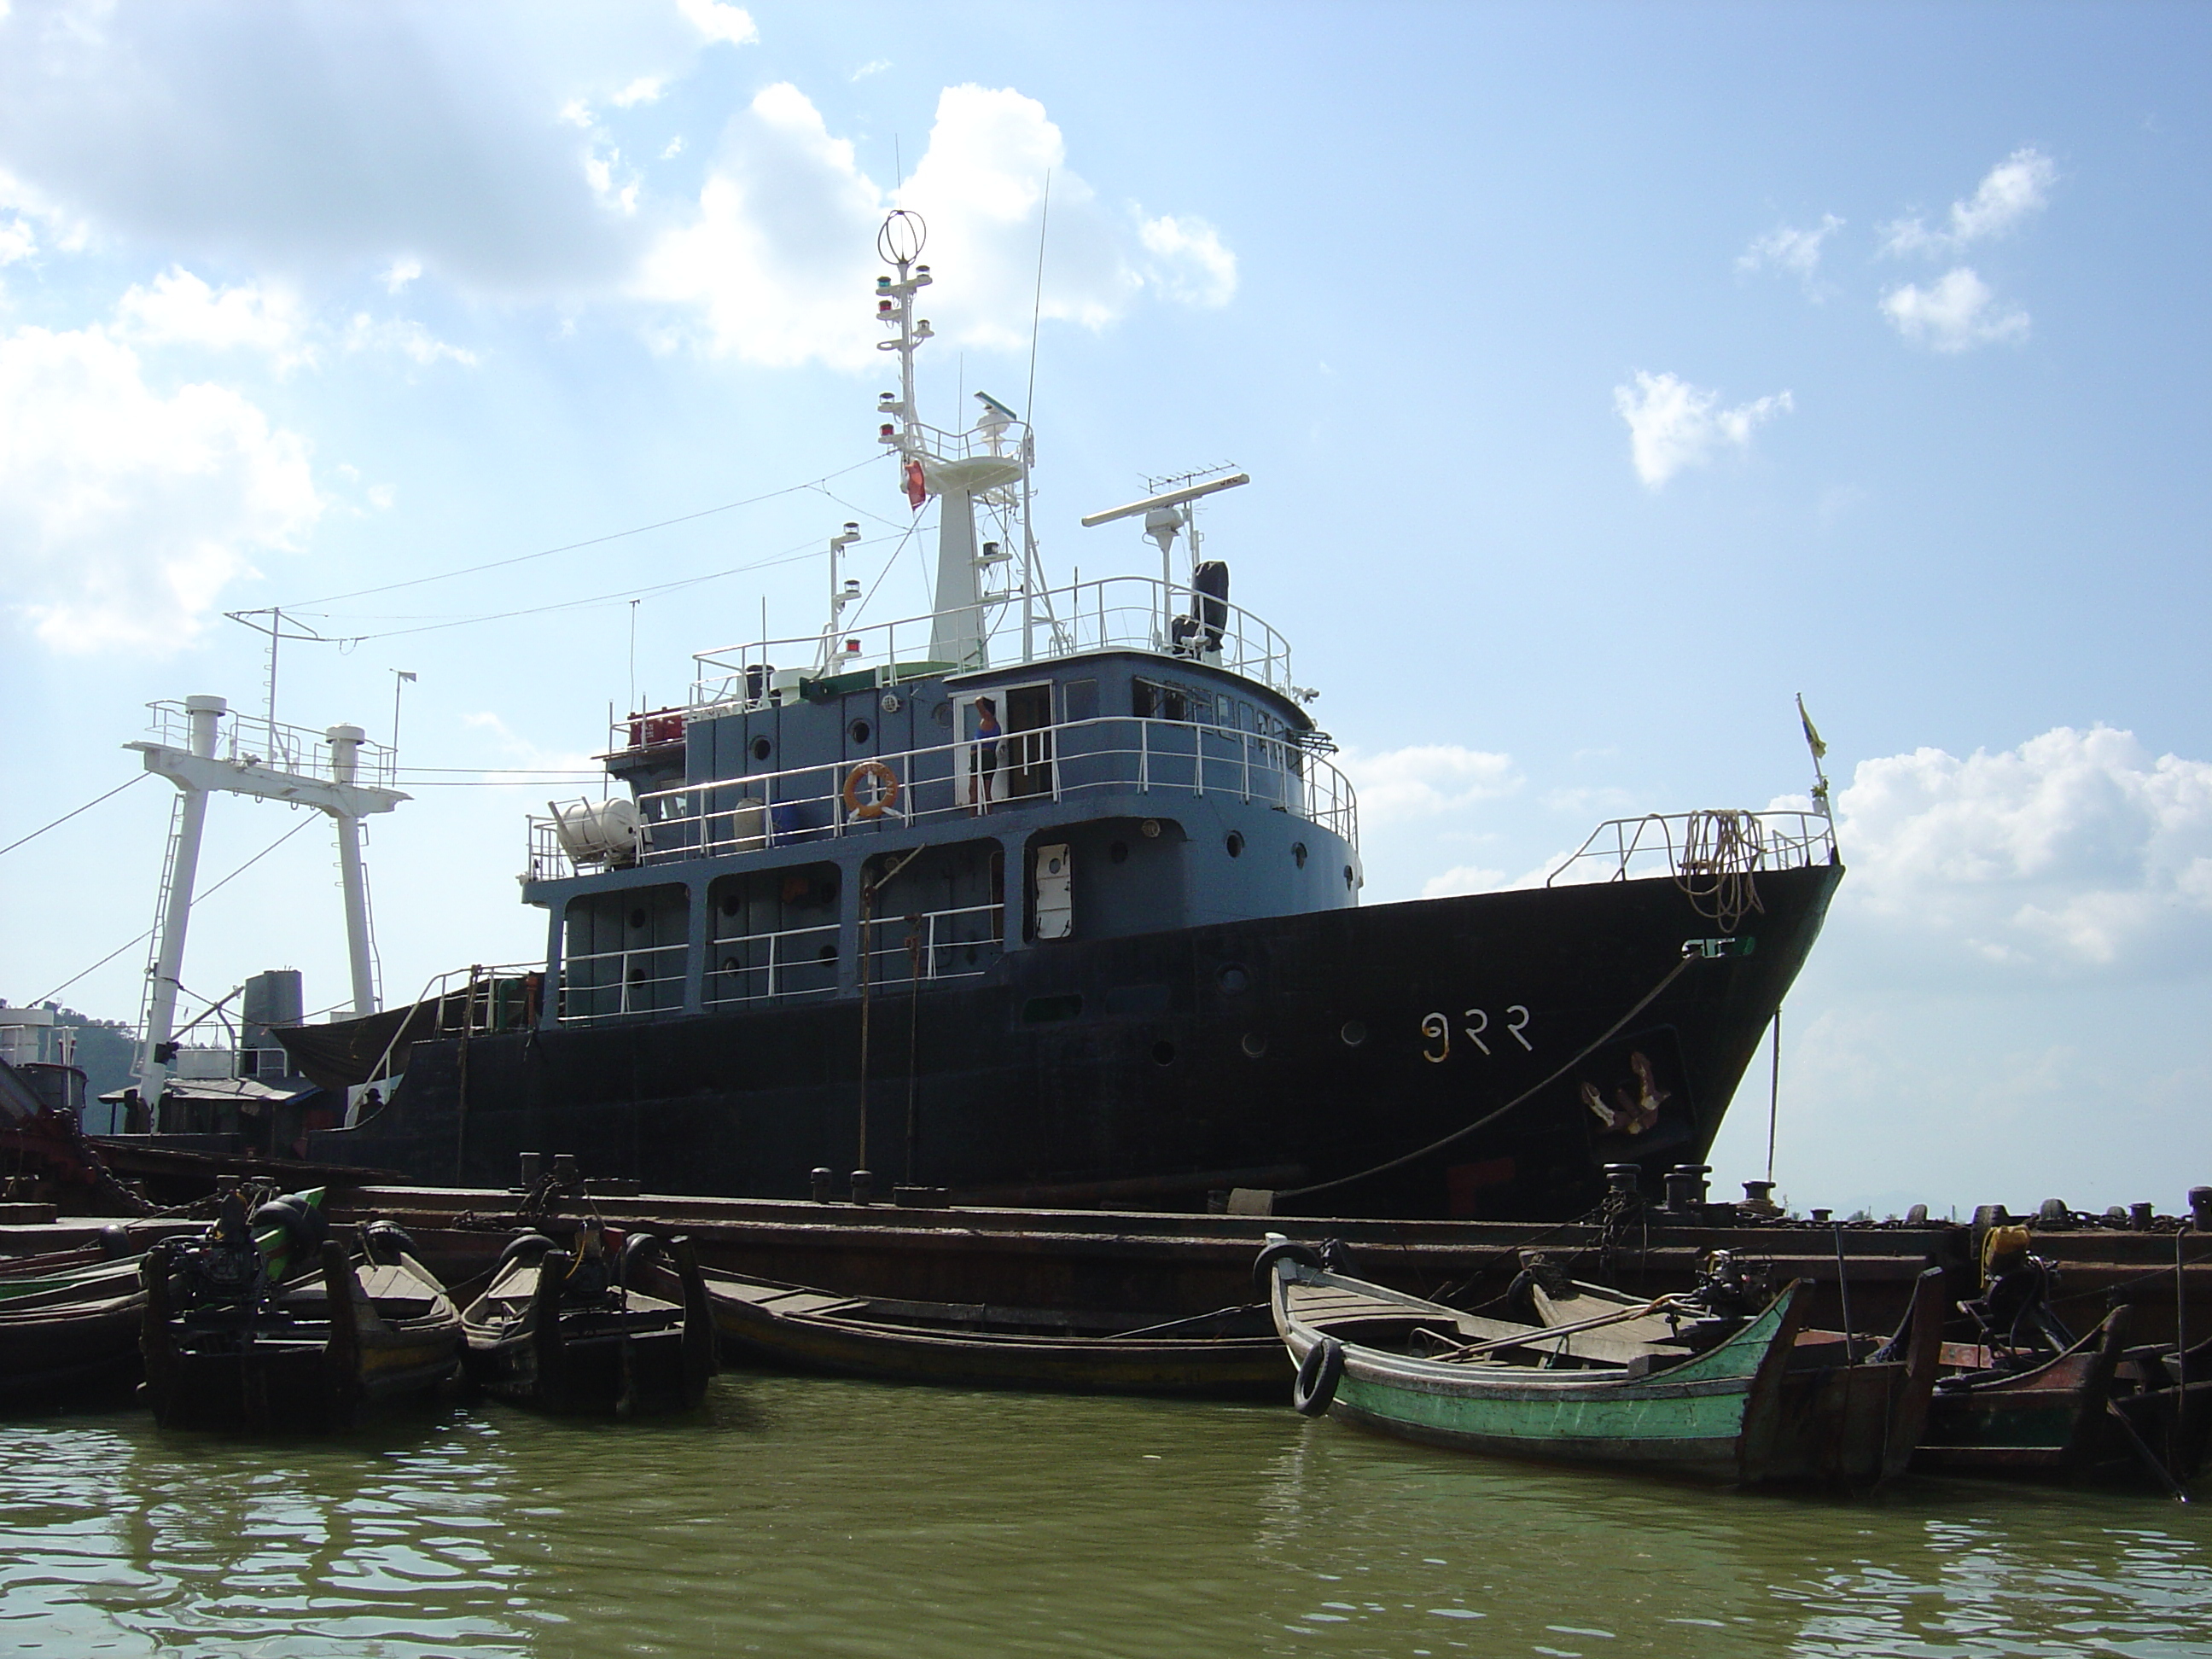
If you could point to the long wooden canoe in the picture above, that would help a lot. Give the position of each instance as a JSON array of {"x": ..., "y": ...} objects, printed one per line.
[
  {"x": 1493, "y": 1386},
  {"x": 1852, "y": 1408},
  {"x": 974, "y": 1345}
]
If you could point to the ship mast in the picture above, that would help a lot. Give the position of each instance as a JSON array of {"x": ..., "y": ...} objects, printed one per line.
[{"x": 941, "y": 463}]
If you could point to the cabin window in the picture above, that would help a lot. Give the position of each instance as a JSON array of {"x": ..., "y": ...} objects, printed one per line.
[
  {"x": 1225, "y": 709},
  {"x": 1152, "y": 700},
  {"x": 1081, "y": 700},
  {"x": 624, "y": 954},
  {"x": 775, "y": 935}
]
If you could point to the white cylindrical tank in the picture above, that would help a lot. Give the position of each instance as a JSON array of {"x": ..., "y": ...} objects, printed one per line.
[{"x": 600, "y": 831}]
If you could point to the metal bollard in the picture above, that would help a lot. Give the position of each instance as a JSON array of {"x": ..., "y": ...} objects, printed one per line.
[
  {"x": 820, "y": 1179},
  {"x": 1622, "y": 1178},
  {"x": 528, "y": 1167},
  {"x": 2139, "y": 1217},
  {"x": 564, "y": 1169},
  {"x": 2200, "y": 1208},
  {"x": 864, "y": 1186}
]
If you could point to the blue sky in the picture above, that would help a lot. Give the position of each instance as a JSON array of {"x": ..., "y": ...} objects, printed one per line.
[{"x": 1608, "y": 376}]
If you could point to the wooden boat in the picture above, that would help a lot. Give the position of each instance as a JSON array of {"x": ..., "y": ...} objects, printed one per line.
[
  {"x": 972, "y": 1345},
  {"x": 567, "y": 1332},
  {"x": 225, "y": 1347},
  {"x": 1852, "y": 1409},
  {"x": 2042, "y": 1417},
  {"x": 1386, "y": 1360},
  {"x": 70, "y": 1321},
  {"x": 2028, "y": 1398}
]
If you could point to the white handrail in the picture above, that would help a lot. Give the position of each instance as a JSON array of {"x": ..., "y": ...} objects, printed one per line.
[
  {"x": 1098, "y": 755},
  {"x": 1074, "y": 619}
]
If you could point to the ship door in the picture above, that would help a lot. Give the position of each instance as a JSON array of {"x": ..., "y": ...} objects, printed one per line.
[
  {"x": 1020, "y": 763},
  {"x": 1055, "y": 896}
]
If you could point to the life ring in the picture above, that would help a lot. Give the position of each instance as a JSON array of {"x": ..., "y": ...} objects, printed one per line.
[
  {"x": 1319, "y": 1373},
  {"x": 887, "y": 790}
]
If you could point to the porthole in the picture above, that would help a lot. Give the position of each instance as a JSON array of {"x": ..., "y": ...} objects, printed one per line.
[
  {"x": 1254, "y": 1045},
  {"x": 637, "y": 918},
  {"x": 942, "y": 713},
  {"x": 1163, "y": 1053},
  {"x": 1354, "y": 1033},
  {"x": 1235, "y": 844},
  {"x": 732, "y": 905},
  {"x": 732, "y": 965},
  {"x": 827, "y": 953},
  {"x": 1298, "y": 852},
  {"x": 1234, "y": 979},
  {"x": 762, "y": 749},
  {"x": 1348, "y": 875},
  {"x": 1119, "y": 852},
  {"x": 860, "y": 732}
]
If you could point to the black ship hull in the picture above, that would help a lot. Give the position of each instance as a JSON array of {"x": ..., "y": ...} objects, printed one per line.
[{"x": 1539, "y": 1036}]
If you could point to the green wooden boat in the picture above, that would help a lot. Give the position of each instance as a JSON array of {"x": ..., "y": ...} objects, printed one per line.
[{"x": 1378, "y": 1358}]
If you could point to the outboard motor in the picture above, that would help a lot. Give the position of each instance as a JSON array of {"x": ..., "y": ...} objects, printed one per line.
[{"x": 223, "y": 1268}]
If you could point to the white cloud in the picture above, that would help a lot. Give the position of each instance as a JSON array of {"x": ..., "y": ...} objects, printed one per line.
[
  {"x": 873, "y": 66},
  {"x": 716, "y": 20},
  {"x": 17, "y": 241},
  {"x": 2078, "y": 850},
  {"x": 399, "y": 273},
  {"x": 406, "y": 337},
  {"x": 1426, "y": 778},
  {"x": 125, "y": 512},
  {"x": 181, "y": 309},
  {"x": 1463, "y": 878},
  {"x": 2017, "y": 186},
  {"x": 1188, "y": 261},
  {"x": 1786, "y": 248},
  {"x": 322, "y": 139},
  {"x": 646, "y": 89},
  {"x": 1672, "y": 424},
  {"x": 778, "y": 261},
  {"x": 1955, "y": 313}
]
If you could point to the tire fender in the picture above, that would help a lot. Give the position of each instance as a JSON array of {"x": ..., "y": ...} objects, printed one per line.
[{"x": 1319, "y": 1373}]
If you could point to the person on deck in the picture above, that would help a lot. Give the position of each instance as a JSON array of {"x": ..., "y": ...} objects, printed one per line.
[{"x": 986, "y": 754}]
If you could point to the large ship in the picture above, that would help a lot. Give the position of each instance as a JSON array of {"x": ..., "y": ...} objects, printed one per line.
[{"x": 1050, "y": 896}]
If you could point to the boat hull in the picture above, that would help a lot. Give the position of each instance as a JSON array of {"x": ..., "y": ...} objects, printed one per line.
[
  {"x": 794, "y": 1328},
  {"x": 1314, "y": 1056},
  {"x": 1714, "y": 1417}
]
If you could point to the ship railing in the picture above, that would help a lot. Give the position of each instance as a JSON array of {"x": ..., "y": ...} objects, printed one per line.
[
  {"x": 793, "y": 961},
  {"x": 480, "y": 1000},
  {"x": 246, "y": 739},
  {"x": 1132, "y": 613},
  {"x": 869, "y": 794},
  {"x": 603, "y": 985},
  {"x": 956, "y": 943},
  {"x": 1699, "y": 845}
]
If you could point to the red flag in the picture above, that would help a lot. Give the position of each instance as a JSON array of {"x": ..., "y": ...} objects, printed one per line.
[{"x": 917, "y": 490}]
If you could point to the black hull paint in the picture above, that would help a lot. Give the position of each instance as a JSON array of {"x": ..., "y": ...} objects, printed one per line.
[{"x": 1281, "y": 1053}]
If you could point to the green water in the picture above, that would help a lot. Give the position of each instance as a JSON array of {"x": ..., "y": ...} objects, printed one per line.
[{"x": 795, "y": 1517}]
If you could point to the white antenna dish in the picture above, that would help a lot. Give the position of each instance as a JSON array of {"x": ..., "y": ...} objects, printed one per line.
[{"x": 1172, "y": 499}]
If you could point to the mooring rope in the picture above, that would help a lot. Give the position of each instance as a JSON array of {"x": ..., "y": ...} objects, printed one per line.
[{"x": 1484, "y": 1123}]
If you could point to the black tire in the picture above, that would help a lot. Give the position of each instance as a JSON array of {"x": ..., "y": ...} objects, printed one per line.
[
  {"x": 1263, "y": 1270},
  {"x": 521, "y": 1245},
  {"x": 640, "y": 1251},
  {"x": 1319, "y": 1373},
  {"x": 305, "y": 1225},
  {"x": 385, "y": 1242}
]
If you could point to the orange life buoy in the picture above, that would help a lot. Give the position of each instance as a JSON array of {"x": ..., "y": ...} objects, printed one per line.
[{"x": 887, "y": 790}]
